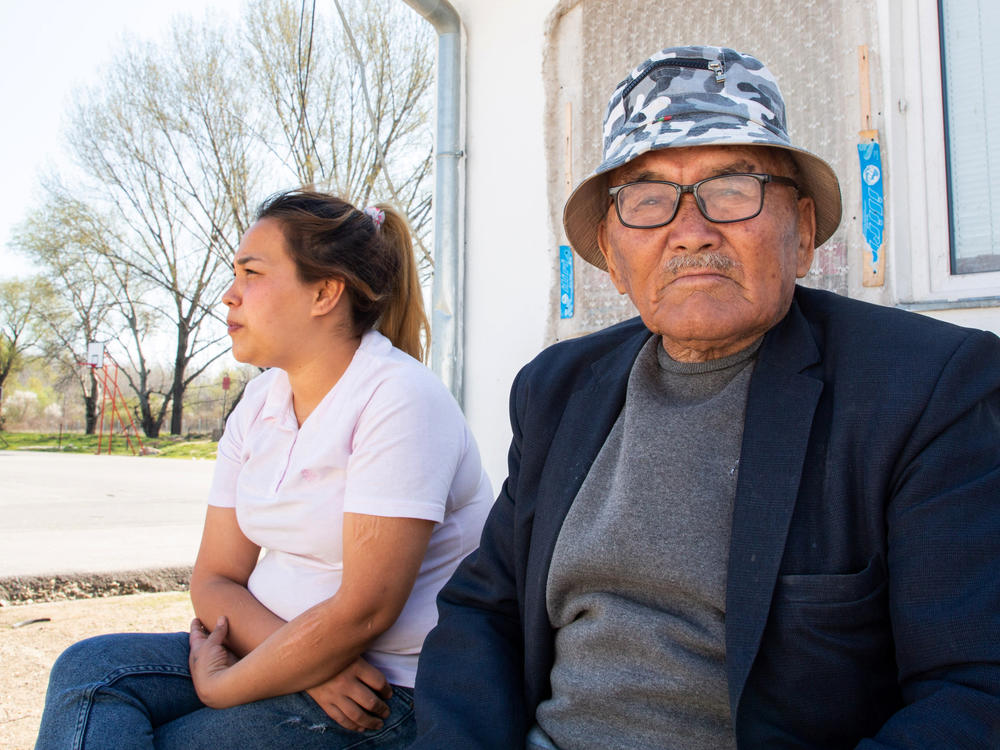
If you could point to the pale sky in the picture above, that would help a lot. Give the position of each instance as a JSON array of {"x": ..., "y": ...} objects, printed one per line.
[{"x": 48, "y": 48}]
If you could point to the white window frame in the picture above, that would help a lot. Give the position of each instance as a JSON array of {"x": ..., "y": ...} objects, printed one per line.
[{"x": 917, "y": 190}]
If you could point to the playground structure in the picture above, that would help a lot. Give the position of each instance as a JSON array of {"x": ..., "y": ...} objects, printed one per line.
[{"x": 112, "y": 401}]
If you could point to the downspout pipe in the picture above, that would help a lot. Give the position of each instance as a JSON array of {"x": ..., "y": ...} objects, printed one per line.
[{"x": 447, "y": 341}]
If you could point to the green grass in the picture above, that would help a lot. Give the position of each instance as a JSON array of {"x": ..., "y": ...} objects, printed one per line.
[
  {"x": 194, "y": 448},
  {"x": 167, "y": 446}
]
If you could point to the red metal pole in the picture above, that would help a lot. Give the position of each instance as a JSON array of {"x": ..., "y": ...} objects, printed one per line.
[{"x": 104, "y": 396}]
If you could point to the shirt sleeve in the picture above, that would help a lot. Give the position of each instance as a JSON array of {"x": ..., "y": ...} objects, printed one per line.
[
  {"x": 229, "y": 455},
  {"x": 406, "y": 449}
]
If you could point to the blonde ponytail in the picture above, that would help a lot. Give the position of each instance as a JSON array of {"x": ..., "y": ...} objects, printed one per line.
[{"x": 404, "y": 321}]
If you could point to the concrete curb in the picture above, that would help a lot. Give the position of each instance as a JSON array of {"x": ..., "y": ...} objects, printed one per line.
[{"x": 60, "y": 587}]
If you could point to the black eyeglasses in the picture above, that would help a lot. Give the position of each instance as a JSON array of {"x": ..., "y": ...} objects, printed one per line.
[{"x": 647, "y": 204}]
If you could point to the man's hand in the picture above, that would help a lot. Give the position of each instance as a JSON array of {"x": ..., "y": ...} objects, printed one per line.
[
  {"x": 209, "y": 661},
  {"x": 354, "y": 698}
]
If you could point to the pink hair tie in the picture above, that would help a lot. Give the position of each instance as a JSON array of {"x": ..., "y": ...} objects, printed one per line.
[{"x": 377, "y": 215}]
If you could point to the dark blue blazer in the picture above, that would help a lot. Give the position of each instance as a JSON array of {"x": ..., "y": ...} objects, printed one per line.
[{"x": 863, "y": 594}]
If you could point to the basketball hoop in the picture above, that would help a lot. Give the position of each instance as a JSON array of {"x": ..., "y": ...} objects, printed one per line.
[{"x": 112, "y": 400}]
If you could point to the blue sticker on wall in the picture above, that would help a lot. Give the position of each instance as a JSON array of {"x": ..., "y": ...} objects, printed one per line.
[
  {"x": 565, "y": 281},
  {"x": 872, "y": 207}
]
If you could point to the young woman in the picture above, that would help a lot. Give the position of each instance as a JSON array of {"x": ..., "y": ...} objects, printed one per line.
[{"x": 350, "y": 466}]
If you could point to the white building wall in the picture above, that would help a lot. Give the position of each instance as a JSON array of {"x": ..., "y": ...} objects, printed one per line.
[
  {"x": 507, "y": 267},
  {"x": 526, "y": 59}
]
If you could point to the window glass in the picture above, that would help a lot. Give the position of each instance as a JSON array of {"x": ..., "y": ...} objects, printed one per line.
[{"x": 970, "y": 37}]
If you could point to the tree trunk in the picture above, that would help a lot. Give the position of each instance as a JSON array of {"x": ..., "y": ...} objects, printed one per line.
[
  {"x": 150, "y": 424},
  {"x": 90, "y": 414},
  {"x": 177, "y": 410},
  {"x": 90, "y": 406},
  {"x": 177, "y": 388},
  {"x": 150, "y": 427}
]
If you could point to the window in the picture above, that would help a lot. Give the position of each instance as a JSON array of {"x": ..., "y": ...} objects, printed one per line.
[
  {"x": 942, "y": 132},
  {"x": 972, "y": 132}
]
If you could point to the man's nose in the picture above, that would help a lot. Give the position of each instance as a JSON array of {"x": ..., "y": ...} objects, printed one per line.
[{"x": 690, "y": 231}]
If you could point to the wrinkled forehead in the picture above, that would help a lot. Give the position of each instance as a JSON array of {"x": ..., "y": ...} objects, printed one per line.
[{"x": 711, "y": 159}]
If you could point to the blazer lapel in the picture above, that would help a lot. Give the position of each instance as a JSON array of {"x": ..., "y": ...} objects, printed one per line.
[{"x": 780, "y": 408}]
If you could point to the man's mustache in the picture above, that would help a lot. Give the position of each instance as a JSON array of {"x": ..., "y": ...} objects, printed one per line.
[{"x": 714, "y": 261}]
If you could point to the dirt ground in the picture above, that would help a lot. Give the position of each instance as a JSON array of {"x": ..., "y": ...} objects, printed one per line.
[{"x": 33, "y": 635}]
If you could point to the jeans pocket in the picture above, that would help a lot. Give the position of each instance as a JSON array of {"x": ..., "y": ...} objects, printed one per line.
[
  {"x": 404, "y": 696},
  {"x": 400, "y": 729}
]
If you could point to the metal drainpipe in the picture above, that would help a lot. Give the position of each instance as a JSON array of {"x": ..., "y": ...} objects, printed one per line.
[{"x": 447, "y": 347}]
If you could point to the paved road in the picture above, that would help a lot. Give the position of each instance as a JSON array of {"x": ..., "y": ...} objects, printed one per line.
[{"x": 74, "y": 513}]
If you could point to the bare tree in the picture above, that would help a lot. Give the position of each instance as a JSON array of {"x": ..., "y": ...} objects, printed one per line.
[
  {"x": 59, "y": 237},
  {"x": 152, "y": 386},
  {"x": 349, "y": 99},
  {"x": 181, "y": 139},
  {"x": 18, "y": 333},
  {"x": 93, "y": 299},
  {"x": 163, "y": 139}
]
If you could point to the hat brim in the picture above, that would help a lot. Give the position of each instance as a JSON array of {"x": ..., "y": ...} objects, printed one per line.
[{"x": 588, "y": 205}]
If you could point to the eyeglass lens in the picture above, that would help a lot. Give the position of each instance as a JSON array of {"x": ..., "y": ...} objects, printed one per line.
[{"x": 723, "y": 198}]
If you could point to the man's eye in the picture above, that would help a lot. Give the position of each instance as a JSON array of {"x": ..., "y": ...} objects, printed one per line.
[{"x": 645, "y": 199}]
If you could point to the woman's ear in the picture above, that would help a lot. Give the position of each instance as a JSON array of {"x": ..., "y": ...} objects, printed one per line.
[{"x": 328, "y": 293}]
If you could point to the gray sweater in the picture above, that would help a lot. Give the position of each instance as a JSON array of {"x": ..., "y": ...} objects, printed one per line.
[{"x": 637, "y": 585}]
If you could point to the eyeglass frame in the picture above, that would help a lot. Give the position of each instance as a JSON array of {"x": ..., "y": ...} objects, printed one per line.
[{"x": 761, "y": 177}]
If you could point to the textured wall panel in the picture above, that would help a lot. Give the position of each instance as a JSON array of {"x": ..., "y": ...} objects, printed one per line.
[{"x": 810, "y": 46}]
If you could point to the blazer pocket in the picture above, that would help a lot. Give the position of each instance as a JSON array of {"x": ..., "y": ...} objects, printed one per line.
[
  {"x": 835, "y": 589},
  {"x": 826, "y": 666}
]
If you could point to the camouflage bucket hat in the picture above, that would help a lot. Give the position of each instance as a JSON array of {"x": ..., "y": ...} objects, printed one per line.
[{"x": 694, "y": 96}]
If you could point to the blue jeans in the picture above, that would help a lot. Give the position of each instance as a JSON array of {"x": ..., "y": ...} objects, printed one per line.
[{"x": 135, "y": 691}]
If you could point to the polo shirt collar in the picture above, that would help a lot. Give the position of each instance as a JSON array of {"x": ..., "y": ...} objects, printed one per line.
[{"x": 278, "y": 403}]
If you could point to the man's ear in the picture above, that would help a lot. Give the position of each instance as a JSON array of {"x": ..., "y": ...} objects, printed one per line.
[
  {"x": 327, "y": 294},
  {"x": 807, "y": 236},
  {"x": 606, "y": 251}
]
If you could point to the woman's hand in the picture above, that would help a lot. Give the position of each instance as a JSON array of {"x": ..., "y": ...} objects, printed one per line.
[
  {"x": 209, "y": 661},
  {"x": 355, "y": 698},
  {"x": 382, "y": 556}
]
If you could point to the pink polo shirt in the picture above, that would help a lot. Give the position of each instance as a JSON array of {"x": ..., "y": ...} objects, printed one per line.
[{"x": 387, "y": 440}]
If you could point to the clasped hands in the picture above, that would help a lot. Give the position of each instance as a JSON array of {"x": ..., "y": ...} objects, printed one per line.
[{"x": 354, "y": 698}]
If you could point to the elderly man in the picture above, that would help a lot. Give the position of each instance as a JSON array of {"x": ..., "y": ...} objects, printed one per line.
[{"x": 757, "y": 516}]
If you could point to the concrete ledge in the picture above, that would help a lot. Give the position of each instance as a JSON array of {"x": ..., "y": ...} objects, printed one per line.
[{"x": 59, "y": 587}]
